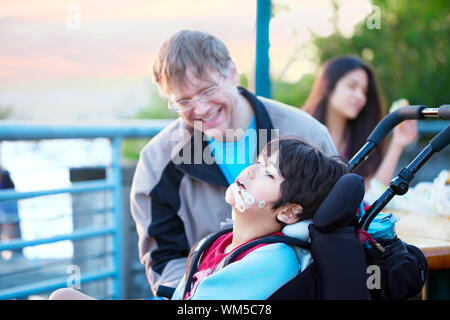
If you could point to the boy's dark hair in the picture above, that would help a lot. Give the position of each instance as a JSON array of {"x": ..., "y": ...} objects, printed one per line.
[{"x": 308, "y": 173}]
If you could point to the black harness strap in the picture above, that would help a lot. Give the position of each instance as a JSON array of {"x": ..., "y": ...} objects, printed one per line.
[
  {"x": 195, "y": 261},
  {"x": 265, "y": 240}
]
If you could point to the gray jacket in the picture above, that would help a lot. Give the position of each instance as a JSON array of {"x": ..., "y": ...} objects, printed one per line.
[{"x": 177, "y": 195}]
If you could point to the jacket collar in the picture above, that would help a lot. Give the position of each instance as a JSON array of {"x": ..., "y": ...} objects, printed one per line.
[
  {"x": 194, "y": 163},
  {"x": 262, "y": 117}
]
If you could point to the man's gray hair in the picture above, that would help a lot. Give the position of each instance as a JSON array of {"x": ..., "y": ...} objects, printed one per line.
[{"x": 200, "y": 51}]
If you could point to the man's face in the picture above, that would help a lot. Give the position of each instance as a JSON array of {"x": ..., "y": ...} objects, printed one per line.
[{"x": 213, "y": 116}]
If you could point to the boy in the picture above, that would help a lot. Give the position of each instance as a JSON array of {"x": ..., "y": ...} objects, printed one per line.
[{"x": 286, "y": 185}]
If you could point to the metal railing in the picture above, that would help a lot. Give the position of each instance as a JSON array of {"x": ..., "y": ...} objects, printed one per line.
[{"x": 115, "y": 131}]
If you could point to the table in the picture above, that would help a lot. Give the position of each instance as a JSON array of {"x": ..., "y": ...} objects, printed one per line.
[{"x": 431, "y": 234}]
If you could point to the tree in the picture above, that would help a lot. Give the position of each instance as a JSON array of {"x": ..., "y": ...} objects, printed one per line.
[
  {"x": 407, "y": 47},
  {"x": 5, "y": 111},
  {"x": 408, "y": 52}
]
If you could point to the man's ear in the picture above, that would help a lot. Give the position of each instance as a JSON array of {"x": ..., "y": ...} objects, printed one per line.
[
  {"x": 290, "y": 213},
  {"x": 234, "y": 72}
]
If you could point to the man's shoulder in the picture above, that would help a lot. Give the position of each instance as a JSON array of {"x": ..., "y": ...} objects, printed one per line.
[
  {"x": 280, "y": 109},
  {"x": 287, "y": 118},
  {"x": 293, "y": 121},
  {"x": 158, "y": 153}
]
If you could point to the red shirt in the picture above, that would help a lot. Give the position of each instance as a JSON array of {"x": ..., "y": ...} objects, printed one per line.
[{"x": 216, "y": 253}]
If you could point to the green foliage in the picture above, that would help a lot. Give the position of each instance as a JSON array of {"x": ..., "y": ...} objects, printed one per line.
[
  {"x": 243, "y": 80},
  {"x": 131, "y": 148},
  {"x": 157, "y": 109},
  {"x": 294, "y": 94},
  {"x": 5, "y": 111},
  {"x": 409, "y": 52}
]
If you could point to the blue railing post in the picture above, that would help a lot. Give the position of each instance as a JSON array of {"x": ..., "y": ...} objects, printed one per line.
[
  {"x": 262, "y": 76},
  {"x": 116, "y": 175}
]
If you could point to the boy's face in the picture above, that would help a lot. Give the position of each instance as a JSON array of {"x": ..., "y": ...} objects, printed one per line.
[{"x": 262, "y": 180}]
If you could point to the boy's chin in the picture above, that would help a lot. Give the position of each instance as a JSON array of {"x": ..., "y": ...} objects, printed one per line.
[{"x": 249, "y": 211}]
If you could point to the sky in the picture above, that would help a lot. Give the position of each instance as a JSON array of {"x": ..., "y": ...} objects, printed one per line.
[{"x": 93, "y": 59}]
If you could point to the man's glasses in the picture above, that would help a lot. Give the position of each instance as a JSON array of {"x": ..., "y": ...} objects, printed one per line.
[{"x": 204, "y": 96}]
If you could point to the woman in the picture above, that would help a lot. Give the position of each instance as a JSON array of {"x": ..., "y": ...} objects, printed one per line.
[{"x": 345, "y": 98}]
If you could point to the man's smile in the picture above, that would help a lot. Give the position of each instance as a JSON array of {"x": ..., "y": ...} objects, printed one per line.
[{"x": 210, "y": 117}]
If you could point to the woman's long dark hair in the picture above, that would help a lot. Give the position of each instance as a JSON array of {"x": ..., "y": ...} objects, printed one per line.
[{"x": 360, "y": 127}]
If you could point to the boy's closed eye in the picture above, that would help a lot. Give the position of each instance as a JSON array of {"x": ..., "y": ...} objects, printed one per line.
[{"x": 265, "y": 170}]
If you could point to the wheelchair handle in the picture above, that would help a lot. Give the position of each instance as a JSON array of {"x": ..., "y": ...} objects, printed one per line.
[
  {"x": 389, "y": 122},
  {"x": 444, "y": 112}
]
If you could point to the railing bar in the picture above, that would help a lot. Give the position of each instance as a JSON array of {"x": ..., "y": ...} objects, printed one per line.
[
  {"x": 53, "y": 284},
  {"x": 38, "y": 130},
  {"x": 35, "y": 268},
  {"x": 76, "y": 187},
  {"x": 77, "y": 234},
  {"x": 58, "y": 262},
  {"x": 430, "y": 127},
  {"x": 77, "y": 214}
]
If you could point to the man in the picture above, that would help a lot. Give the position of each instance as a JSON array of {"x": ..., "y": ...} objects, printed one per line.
[{"x": 179, "y": 186}]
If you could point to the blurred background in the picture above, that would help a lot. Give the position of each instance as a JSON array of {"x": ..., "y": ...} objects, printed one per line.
[{"x": 80, "y": 61}]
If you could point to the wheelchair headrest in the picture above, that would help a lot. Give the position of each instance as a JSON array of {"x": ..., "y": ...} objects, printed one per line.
[{"x": 339, "y": 207}]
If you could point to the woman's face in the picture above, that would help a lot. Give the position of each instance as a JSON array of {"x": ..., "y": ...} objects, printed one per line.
[{"x": 350, "y": 94}]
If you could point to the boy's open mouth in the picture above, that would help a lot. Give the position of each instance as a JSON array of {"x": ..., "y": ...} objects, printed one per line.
[
  {"x": 241, "y": 196},
  {"x": 240, "y": 184}
]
